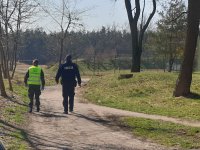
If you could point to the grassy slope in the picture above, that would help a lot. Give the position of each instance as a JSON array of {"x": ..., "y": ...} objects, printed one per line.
[
  {"x": 147, "y": 92},
  {"x": 150, "y": 92}
]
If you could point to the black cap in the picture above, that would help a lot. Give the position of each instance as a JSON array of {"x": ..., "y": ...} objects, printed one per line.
[
  {"x": 35, "y": 62},
  {"x": 68, "y": 58}
]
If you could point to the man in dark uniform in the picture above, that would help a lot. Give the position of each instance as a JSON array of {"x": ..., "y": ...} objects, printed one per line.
[
  {"x": 68, "y": 73},
  {"x": 34, "y": 79}
]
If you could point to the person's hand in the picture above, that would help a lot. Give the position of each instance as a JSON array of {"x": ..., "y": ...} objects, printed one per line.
[
  {"x": 56, "y": 81},
  {"x": 42, "y": 88}
]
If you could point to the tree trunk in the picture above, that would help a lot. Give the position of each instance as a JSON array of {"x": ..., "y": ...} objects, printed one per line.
[
  {"x": 170, "y": 54},
  {"x": 136, "y": 53},
  {"x": 185, "y": 77},
  {"x": 14, "y": 64},
  {"x": 61, "y": 50},
  {"x": 134, "y": 33},
  {"x": 171, "y": 63},
  {"x": 2, "y": 87}
]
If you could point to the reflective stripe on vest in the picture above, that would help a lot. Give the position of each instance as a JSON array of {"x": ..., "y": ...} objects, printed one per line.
[{"x": 34, "y": 75}]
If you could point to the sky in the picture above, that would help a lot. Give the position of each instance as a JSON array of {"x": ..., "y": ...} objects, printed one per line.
[
  {"x": 99, "y": 13},
  {"x": 105, "y": 13}
]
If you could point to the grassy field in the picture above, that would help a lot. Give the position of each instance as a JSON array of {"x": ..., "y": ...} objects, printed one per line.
[{"x": 150, "y": 92}]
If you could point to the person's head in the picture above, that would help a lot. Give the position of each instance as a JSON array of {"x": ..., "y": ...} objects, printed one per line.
[
  {"x": 68, "y": 58},
  {"x": 35, "y": 62}
]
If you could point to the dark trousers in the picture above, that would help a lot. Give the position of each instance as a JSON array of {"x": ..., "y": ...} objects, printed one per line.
[
  {"x": 68, "y": 97},
  {"x": 34, "y": 91}
]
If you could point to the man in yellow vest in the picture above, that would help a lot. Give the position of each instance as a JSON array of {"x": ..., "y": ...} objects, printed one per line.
[{"x": 35, "y": 81}]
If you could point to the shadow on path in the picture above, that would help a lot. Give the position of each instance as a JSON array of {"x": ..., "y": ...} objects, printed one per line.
[
  {"x": 51, "y": 114},
  {"x": 92, "y": 118}
]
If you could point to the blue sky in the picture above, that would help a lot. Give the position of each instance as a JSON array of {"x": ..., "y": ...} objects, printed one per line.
[
  {"x": 100, "y": 13},
  {"x": 105, "y": 13}
]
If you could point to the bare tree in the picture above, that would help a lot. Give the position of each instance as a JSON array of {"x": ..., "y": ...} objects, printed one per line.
[
  {"x": 137, "y": 36},
  {"x": 25, "y": 10},
  {"x": 12, "y": 13},
  {"x": 67, "y": 17},
  {"x": 185, "y": 77}
]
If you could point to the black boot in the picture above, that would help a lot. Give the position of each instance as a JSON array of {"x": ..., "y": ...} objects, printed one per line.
[
  {"x": 65, "y": 112},
  {"x": 38, "y": 109},
  {"x": 30, "y": 110}
]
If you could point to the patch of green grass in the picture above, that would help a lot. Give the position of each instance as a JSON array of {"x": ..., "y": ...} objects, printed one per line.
[
  {"x": 18, "y": 105},
  {"x": 148, "y": 92},
  {"x": 13, "y": 113},
  {"x": 17, "y": 144},
  {"x": 165, "y": 133},
  {"x": 14, "y": 145}
]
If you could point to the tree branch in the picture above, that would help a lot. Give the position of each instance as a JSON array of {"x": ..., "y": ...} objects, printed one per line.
[{"x": 177, "y": 17}]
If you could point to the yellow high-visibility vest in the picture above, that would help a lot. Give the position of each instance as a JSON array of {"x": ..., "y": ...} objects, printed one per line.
[{"x": 34, "y": 75}]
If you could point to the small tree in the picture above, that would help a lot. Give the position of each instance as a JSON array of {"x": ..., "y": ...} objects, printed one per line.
[
  {"x": 66, "y": 16},
  {"x": 171, "y": 28}
]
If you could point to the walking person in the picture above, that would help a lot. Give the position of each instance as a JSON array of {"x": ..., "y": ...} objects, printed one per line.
[
  {"x": 35, "y": 81},
  {"x": 68, "y": 73}
]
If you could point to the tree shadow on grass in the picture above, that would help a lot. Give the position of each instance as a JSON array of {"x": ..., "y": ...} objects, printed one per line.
[
  {"x": 9, "y": 128},
  {"x": 194, "y": 96},
  {"x": 15, "y": 101}
]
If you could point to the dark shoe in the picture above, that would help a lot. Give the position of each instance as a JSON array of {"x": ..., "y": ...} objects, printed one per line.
[
  {"x": 65, "y": 112},
  {"x": 30, "y": 110},
  {"x": 38, "y": 109}
]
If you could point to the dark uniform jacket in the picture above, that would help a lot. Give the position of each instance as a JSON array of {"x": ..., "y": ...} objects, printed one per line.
[{"x": 68, "y": 73}]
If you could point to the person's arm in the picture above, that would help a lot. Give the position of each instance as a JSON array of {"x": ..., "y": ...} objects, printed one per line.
[
  {"x": 26, "y": 78},
  {"x": 78, "y": 76},
  {"x": 59, "y": 72},
  {"x": 42, "y": 79}
]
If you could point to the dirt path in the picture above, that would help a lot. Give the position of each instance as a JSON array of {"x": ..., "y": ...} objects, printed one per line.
[{"x": 86, "y": 128}]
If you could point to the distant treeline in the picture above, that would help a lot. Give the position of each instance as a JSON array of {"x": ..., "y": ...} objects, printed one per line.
[{"x": 104, "y": 45}]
